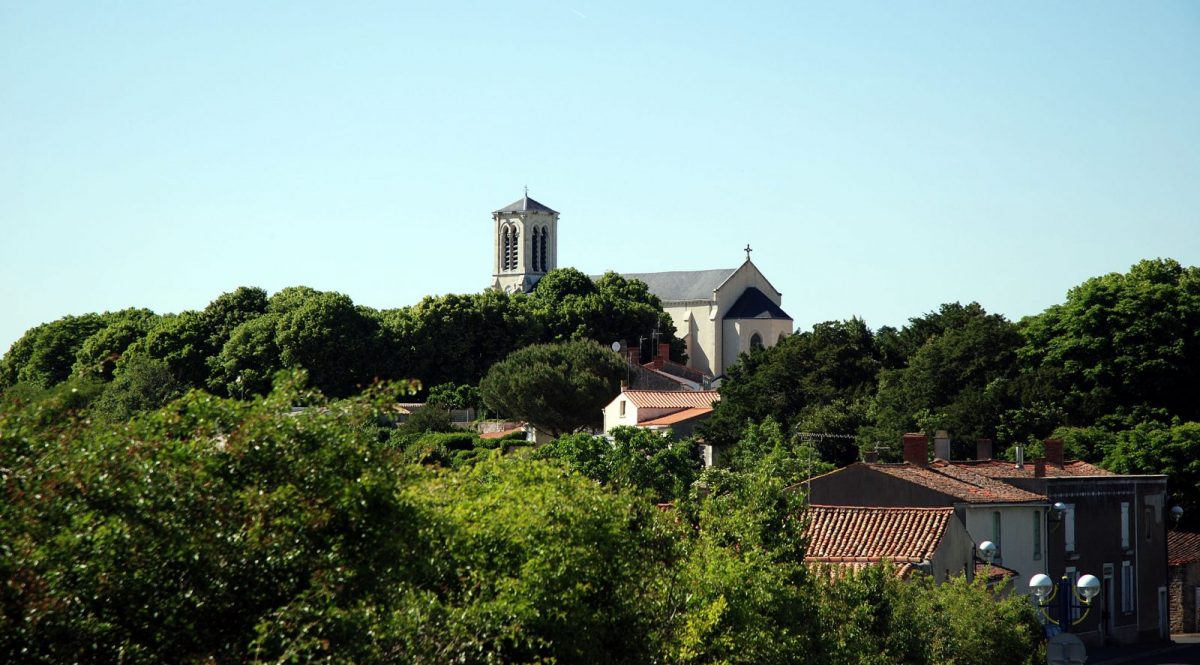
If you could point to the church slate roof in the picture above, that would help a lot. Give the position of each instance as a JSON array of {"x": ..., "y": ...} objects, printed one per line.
[
  {"x": 683, "y": 284},
  {"x": 754, "y": 304},
  {"x": 526, "y": 204}
]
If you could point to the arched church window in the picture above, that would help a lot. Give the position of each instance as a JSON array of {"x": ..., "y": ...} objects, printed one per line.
[
  {"x": 535, "y": 249},
  {"x": 508, "y": 238},
  {"x": 545, "y": 232},
  {"x": 756, "y": 341}
]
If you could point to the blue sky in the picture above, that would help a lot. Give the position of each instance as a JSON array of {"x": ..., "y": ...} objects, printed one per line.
[{"x": 881, "y": 158}]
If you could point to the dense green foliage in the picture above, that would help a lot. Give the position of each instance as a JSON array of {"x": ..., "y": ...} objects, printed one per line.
[
  {"x": 1113, "y": 371},
  {"x": 635, "y": 458},
  {"x": 220, "y": 530},
  {"x": 235, "y": 345}
]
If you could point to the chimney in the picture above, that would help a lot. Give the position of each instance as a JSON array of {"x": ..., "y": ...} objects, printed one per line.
[
  {"x": 983, "y": 449},
  {"x": 1039, "y": 467},
  {"x": 635, "y": 355},
  {"x": 871, "y": 456},
  {"x": 1054, "y": 452},
  {"x": 916, "y": 448},
  {"x": 664, "y": 352},
  {"x": 941, "y": 445},
  {"x": 1020, "y": 456}
]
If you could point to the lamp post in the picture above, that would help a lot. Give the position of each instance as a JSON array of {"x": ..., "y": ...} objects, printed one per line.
[
  {"x": 988, "y": 549},
  {"x": 1066, "y": 597}
]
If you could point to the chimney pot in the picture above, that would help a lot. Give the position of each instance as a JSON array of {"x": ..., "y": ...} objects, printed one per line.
[
  {"x": 916, "y": 448},
  {"x": 1054, "y": 452},
  {"x": 1020, "y": 456},
  {"x": 983, "y": 449},
  {"x": 941, "y": 445},
  {"x": 1039, "y": 467}
]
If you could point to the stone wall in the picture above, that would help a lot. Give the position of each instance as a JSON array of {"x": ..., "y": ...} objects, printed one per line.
[{"x": 1181, "y": 590}]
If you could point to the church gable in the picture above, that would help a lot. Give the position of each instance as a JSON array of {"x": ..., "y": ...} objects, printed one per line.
[{"x": 754, "y": 304}]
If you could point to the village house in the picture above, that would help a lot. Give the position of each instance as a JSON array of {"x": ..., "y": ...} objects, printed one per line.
[
  {"x": 1051, "y": 516},
  {"x": 932, "y": 541},
  {"x": 659, "y": 410}
]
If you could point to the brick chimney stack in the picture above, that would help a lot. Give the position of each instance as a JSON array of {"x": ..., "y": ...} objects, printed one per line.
[
  {"x": 916, "y": 449},
  {"x": 635, "y": 355},
  {"x": 1054, "y": 452},
  {"x": 1039, "y": 467},
  {"x": 983, "y": 449}
]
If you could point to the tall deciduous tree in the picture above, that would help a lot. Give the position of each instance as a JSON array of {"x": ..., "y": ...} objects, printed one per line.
[
  {"x": 45, "y": 354},
  {"x": 1126, "y": 344},
  {"x": 101, "y": 351},
  {"x": 956, "y": 379},
  {"x": 802, "y": 380},
  {"x": 572, "y": 306},
  {"x": 560, "y": 387}
]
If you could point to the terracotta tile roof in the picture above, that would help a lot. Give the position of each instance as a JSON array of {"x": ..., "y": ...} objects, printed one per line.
[
  {"x": 1182, "y": 547},
  {"x": 863, "y": 535},
  {"x": 677, "y": 417},
  {"x": 995, "y": 572},
  {"x": 672, "y": 399},
  {"x": 959, "y": 482},
  {"x": 1001, "y": 469}
]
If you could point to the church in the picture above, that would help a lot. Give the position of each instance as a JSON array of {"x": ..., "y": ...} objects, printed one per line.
[{"x": 717, "y": 313}]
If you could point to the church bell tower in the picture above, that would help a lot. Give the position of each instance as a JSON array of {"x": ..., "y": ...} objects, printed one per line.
[{"x": 526, "y": 244}]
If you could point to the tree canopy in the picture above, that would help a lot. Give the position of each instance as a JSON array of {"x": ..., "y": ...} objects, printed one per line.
[{"x": 559, "y": 387}]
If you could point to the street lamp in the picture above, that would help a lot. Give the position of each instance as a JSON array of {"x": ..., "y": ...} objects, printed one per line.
[
  {"x": 1068, "y": 598},
  {"x": 988, "y": 549}
]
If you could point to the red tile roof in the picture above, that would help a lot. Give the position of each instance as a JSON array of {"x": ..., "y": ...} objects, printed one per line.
[
  {"x": 994, "y": 572},
  {"x": 677, "y": 417},
  {"x": 672, "y": 399},
  {"x": 1000, "y": 469},
  {"x": 863, "y": 535},
  {"x": 959, "y": 482},
  {"x": 1182, "y": 547}
]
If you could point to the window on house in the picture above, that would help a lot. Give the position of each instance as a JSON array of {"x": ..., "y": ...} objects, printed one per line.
[
  {"x": 756, "y": 341},
  {"x": 1124, "y": 524},
  {"x": 996, "y": 531},
  {"x": 1149, "y": 519},
  {"x": 1037, "y": 534},
  {"x": 1069, "y": 527},
  {"x": 1126, "y": 586},
  {"x": 622, "y": 408}
]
